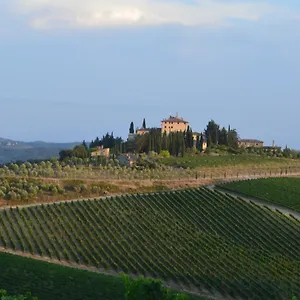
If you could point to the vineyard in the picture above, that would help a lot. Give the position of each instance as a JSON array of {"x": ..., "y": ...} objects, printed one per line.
[
  {"x": 282, "y": 191},
  {"x": 197, "y": 238}
]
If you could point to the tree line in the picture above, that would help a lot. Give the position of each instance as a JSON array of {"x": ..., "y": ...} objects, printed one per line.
[
  {"x": 115, "y": 144},
  {"x": 176, "y": 143},
  {"x": 221, "y": 136}
]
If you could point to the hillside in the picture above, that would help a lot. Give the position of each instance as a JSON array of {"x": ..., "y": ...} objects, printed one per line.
[
  {"x": 197, "y": 239},
  {"x": 282, "y": 191},
  {"x": 22, "y": 151}
]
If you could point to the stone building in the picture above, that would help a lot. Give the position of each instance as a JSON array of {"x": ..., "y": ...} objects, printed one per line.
[
  {"x": 100, "y": 151},
  {"x": 173, "y": 124},
  {"x": 246, "y": 143}
]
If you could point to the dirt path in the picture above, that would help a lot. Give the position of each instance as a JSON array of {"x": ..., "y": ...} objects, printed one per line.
[{"x": 286, "y": 211}]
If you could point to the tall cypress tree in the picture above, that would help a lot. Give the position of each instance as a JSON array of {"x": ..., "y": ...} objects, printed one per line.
[
  {"x": 198, "y": 143},
  {"x": 131, "y": 128},
  {"x": 144, "y": 124},
  {"x": 164, "y": 141},
  {"x": 201, "y": 142}
]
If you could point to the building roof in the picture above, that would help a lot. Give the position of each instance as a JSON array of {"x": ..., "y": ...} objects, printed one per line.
[
  {"x": 143, "y": 129},
  {"x": 174, "y": 119},
  {"x": 250, "y": 141},
  {"x": 148, "y": 129}
]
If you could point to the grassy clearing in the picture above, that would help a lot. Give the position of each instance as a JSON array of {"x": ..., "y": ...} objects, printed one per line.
[
  {"x": 201, "y": 239},
  {"x": 282, "y": 191}
]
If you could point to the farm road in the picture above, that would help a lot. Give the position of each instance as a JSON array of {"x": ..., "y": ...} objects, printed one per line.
[{"x": 285, "y": 210}]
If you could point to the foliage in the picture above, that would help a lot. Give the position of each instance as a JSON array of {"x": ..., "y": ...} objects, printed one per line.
[
  {"x": 25, "y": 189},
  {"x": 30, "y": 189},
  {"x": 131, "y": 128},
  {"x": 283, "y": 191},
  {"x": 148, "y": 289},
  {"x": 217, "y": 136},
  {"x": 195, "y": 237},
  {"x": 176, "y": 143},
  {"x": 50, "y": 281},
  {"x": 4, "y": 296},
  {"x": 108, "y": 141},
  {"x": 165, "y": 153}
]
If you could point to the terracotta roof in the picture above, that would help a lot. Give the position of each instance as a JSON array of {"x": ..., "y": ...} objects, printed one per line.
[
  {"x": 143, "y": 129},
  {"x": 174, "y": 119}
]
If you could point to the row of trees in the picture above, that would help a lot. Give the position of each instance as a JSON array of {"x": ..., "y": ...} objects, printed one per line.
[
  {"x": 115, "y": 144},
  {"x": 176, "y": 143},
  {"x": 107, "y": 141}
]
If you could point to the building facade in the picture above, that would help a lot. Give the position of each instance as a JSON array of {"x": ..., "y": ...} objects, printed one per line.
[
  {"x": 173, "y": 124},
  {"x": 197, "y": 135},
  {"x": 246, "y": 143},
  {"x": 100, "y": 151},
  {"x": 142, "y": 131}
]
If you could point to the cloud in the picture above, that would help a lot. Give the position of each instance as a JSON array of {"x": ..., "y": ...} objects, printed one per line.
[{"x": 47, "y": 14}]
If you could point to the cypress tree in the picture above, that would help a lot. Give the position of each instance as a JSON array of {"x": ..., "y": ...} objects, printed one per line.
[
  {"x": 144, "y": 124},
  {"x": 131, "y": 128},
  {"x": 164, "y": 141},
  {"x": 201, "y": 142},
  {"x": 198, "y": 143}
]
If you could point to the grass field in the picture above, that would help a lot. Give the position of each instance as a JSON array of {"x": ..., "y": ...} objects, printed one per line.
[
  {"x": 196, "y": 238},
  {"x": 49, "y": 281},
  {"x": 282, "y": 191},
  {"x": 196, "y": 161}
]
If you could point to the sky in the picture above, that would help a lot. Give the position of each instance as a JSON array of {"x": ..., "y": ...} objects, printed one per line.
[{"x": 72, "y": 70}]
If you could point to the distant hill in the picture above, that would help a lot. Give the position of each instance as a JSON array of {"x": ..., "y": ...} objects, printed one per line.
[{"x": 11, "y": 151}]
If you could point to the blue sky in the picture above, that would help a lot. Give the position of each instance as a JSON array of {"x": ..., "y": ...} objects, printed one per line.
[{"x": 72, "y": 69}]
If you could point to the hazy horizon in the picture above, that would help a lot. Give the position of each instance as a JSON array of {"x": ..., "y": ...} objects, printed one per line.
[{"x": 74, "y": 70}]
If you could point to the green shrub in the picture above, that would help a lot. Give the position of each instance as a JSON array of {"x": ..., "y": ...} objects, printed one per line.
[
  {"x": 164, "y": 153},
  {"x": 148, "y": 289}
]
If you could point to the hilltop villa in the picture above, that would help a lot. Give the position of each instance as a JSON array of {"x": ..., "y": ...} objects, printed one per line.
[
  {"x": 171, "y": 124},
  {"x": 174, "y": 124}
]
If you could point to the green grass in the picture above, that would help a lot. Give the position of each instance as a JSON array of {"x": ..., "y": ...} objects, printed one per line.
[
  {"x": 49, "y": 281},
  {"x": 282, "y": 191},
  {"x": 195, "y": 237},
  {"x": 195, "y": 161}
]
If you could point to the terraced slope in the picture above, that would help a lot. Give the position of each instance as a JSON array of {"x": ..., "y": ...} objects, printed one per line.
[
  {"x": 282, "y": 191},
  {"x": 197, "y": 238}
]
